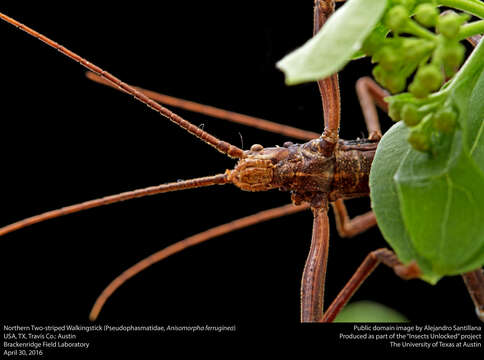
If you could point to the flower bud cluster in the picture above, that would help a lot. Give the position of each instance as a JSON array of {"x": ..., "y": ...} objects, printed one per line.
[
  {"x": 410, "y": 52},
  {"x": 417, "y": 48},
  {"x": 429, "y": 119}
]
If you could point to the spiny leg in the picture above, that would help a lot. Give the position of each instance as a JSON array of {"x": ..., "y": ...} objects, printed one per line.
[
  {"x": 188, "y": 242},
  {"x": 369, "y": 264},
  {"x": 216, "y": 112},
  {"x": 314, "y": 274}
]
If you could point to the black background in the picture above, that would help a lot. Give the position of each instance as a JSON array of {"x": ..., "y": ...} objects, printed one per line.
[{"x": 66, "y": 140}]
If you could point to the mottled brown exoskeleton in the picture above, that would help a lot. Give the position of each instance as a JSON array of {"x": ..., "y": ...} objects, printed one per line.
[{"x": 324, "y": 170}]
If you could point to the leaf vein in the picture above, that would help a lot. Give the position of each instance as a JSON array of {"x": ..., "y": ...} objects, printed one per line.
[
  {"x": 443, "y": 228},
  {"x": 474, "y": 145}
]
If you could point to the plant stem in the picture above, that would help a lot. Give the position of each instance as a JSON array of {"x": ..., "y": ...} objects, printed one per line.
[
  {"x": 472, "y": 7},
  {"x": 468, "y": 30},
  {"x": 415, "y": 29}
]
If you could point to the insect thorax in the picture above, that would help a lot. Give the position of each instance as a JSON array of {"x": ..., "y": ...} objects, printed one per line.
[{"x": 306, "y": 169}]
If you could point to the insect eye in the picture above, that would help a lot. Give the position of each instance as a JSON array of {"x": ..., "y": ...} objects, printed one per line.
[{"x": 288, "y": 144}]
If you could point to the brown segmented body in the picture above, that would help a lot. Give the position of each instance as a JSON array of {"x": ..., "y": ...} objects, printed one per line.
[
  {"x": 305, "y": 170},
  {"x": 342, "y": 174},
  {"x": 352, "y": 169}
]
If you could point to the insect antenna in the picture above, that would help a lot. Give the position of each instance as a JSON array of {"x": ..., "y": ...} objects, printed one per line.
[
  {"x": 222, "y": 146},
  {"x": 212, "y": 111},
  {"x": 219, "y": 179},
  {"x": 188, "y": 242}
]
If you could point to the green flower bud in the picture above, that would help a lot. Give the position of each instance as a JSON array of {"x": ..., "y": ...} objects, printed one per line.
[
  {"x": 418, "y": 90},
  {"x": 410, "y": 115},
  {"x": 419, "y": 140},
  {"x": 449, "y": 24},
  {"x": 387, "y": 57},
  {"x": 396, "y": 18},
  {"x": 394, "y": 113},
  {"x": 430, "y": 77},
  {"x": 445, "y": 120},
  {"x": 395, "y": 83},
  {"x": 379, "y": 74},
  {"x": 453, "y": 56},
  {"x": 426, "y": 14},
  {"x": 409, "y": 4},
  {"x": 450, "y": 54},
  {"x": 415, "y": 49},
  {"x": 395, "y": 109}
]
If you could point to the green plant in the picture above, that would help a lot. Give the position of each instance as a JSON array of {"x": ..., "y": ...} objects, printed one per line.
[
  {"x": 426, "y": 192},
  {"x": 369, "y": 311}
]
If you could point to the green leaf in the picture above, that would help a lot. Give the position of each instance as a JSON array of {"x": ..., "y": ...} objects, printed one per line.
[
  {"x": 385, "y": 201},
  {"x": 475, "y": 7},
  {"x": 431, "y": 208},
  {"x": 442, "y": 207},
  {"x": 335, "y": 44},
  {"x": 369, "y": 311},
  {"x": 475, "y": 130}
]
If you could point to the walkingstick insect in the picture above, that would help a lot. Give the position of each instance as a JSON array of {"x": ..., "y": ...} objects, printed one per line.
[{"x": 111, "y": 148}]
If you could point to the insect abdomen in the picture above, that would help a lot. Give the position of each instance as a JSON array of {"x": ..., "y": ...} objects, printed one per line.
[{"x": 352, "y": 169}]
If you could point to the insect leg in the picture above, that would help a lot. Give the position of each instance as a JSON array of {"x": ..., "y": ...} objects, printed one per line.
[
  {"x": 369, "y": 264},
  {"x": 329, "y": 87},
  {"x": 216, "y": 112},
  {"x": 314, "y": 274},
  {"x": 371, "y": 94},
  {"x": 474, "y": 40},
  {"x": 188, "y": 242},
  {"x": 347, "y": 227},
  {"x": 474, "y": 281}
]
